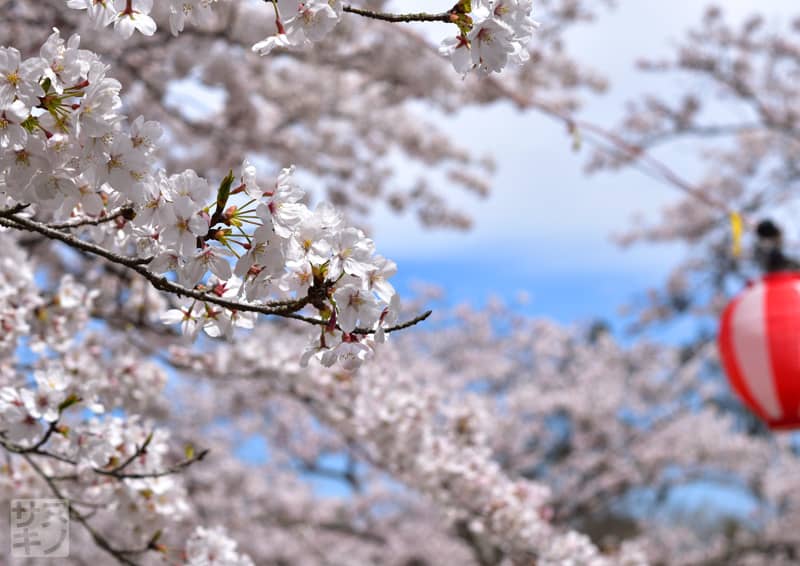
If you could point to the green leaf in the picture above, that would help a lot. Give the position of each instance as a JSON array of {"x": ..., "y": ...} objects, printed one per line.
[
  {"x": 224, "y": 192},
  {"x": 68, "y": 402},
  {"x": 30, "y": 123},
  {"x": 464, "y": 23},
  {"x": 146, "y": 443},
  {"x": 463, "y": 7}
]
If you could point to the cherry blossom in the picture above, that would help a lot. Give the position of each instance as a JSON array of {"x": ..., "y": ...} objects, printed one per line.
[
  {"x": 133, "y": 16},
  {"x": 490, "y": 32},
  {"x": 484, "y": 438}
]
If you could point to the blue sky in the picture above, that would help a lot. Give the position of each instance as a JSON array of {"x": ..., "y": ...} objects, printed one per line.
[{"x": 546, "y": 227}]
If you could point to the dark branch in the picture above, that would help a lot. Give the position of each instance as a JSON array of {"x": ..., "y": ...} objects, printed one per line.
[
  {"x": 287, "y": 309},
  {"x": 445, "y": 17},
  {"x": 126, "y": 212},
  {"x": 120, "y": 555}
]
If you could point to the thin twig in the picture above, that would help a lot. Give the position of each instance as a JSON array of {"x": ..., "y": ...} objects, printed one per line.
[
  {"x": 120, "y": 555},
  {"x": 445, "y": 17},
  {"x": 9, "y": 219},
  {"x": 126, "y": 212},
  {"x": 116, "y": 472},
  {"x": 401, "y": 326}
]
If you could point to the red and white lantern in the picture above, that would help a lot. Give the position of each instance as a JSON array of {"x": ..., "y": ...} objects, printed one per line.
[{"x": 759, "y": 343}]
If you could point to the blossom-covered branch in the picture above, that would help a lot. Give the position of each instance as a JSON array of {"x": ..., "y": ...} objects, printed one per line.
[
  {"x": 490, "y": 33},
  {"x": 64, "y": 152}
]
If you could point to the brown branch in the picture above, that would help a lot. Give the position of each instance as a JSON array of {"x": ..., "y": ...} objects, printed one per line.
[
  {"x": 401, "y": 326},
  {"x": 136, "y": 453},
  {"x": 48, "y": 433},
  {"x": 120, "y": 555},
  {"x": 10, "y": 219},
  {"x": 34, "y": 448},
  {"x": 446, "y": 17},
  {"x": 116, "y": 472},
  {"x": 286, "y": 309},
  {"x": 126, "y": 212},
  {"x": 176, "y": 468}
]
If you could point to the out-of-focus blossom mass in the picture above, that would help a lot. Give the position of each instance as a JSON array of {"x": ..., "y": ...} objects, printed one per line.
[{"x": 203, "y": 349}]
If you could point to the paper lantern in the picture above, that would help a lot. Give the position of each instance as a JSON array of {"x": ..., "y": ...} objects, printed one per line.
[{"x": 759, "y": 344}]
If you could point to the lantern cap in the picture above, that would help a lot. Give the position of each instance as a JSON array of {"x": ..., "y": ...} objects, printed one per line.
[{"x": 768, "y": 229}]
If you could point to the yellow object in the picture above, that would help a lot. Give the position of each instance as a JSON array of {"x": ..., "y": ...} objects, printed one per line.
[{"x": 736, "y": 234}]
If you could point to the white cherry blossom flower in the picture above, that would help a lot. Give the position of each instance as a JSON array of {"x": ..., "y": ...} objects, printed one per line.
[
  {"x": 189, "y": 317},
  {"x": 377, "y": 279},
  {"x": 458, "y": 49},
  {"x": 64, "y": 62},
  {"x": 312, "y": 21},
  {"x": 183, "y": 229},
  {"x": 11, "y": 117},
  {"x": 181, "y": 11},
  {"x": 352, "y": 253},
  {"x": 23, "y": 163},
  {"x": 350, "y": 354},
  {"x": 264, "y": 251},
  {"x": 145, "y": 134},
  {"x": 209, "y": 258},
  {"x": 101, "y": 12},
  {"x": 213, "y": 547},
  {"x": 265, "y": 46},
  {"x": 18, "y": 425},
  {"x": 491, "y": 43},
  {"x": 99, "y": 106},
  {"x": 354, "y": 304},
  {"x": 134, "y": 18},
  {"x": 249, "y": 180},
  {"x": 190, "y": 186},
  {"x": 284, "y": 205},
  {"x": 43, "y": 403},
  {"x": 19, "y": 79}
]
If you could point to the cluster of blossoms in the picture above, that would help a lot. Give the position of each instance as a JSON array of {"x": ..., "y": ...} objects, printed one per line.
[
  {"x": 58, "y": 411},
  {"x": 119, "y": 465},
  {"x": 128, "y": 16},
  {"x": 299, "y": 23},
  {"x": 492, "y": 33},
  {"x": 65, "y": 154},
  {"x": 18, "y": 299},
  {"x": 430, "y": 437},
  {"x": 213, "y": 546}
]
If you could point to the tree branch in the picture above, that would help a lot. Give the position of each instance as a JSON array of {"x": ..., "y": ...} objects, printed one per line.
[
  {"x": 446, "y": 17},
  {"x": 126, "y": 212},
  {"x": 287, "y": 309},
  {"x": 120, "y": 555}
]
